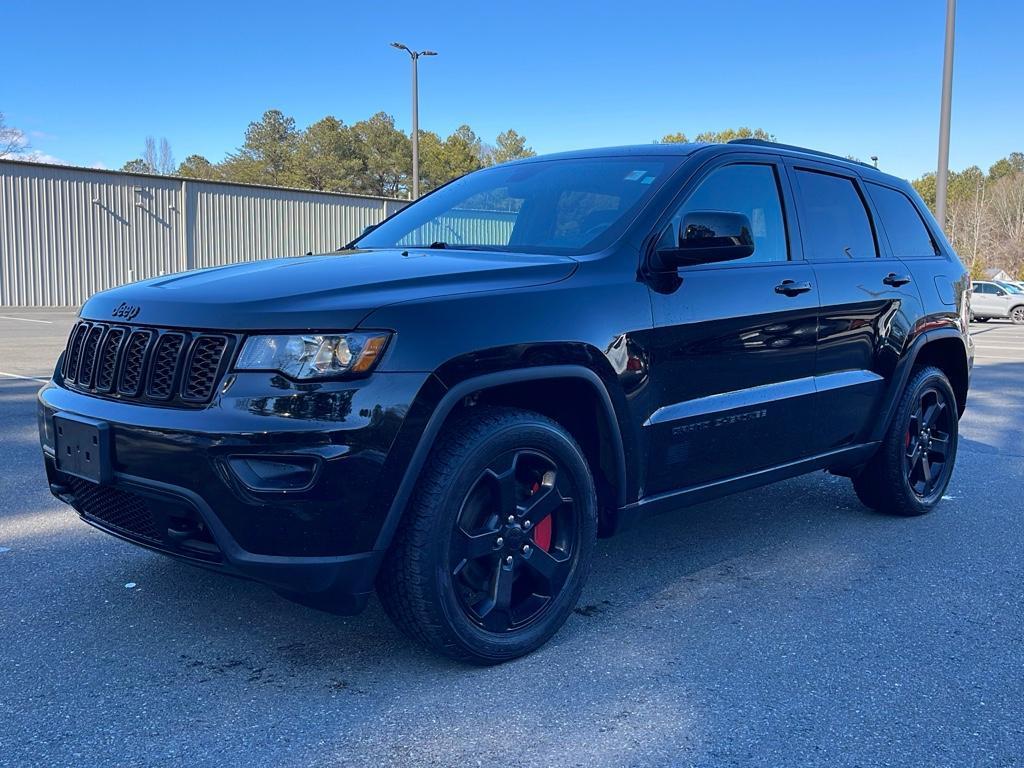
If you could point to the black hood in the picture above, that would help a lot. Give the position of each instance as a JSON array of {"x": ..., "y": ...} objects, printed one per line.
[{"x": 333, "y": 291}]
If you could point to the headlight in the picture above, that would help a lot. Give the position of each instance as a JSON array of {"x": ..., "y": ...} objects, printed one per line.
[{"x": 313, "y": 356}]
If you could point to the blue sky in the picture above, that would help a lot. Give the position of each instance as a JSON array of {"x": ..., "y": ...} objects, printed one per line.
[{"x": 89, "y": 81}]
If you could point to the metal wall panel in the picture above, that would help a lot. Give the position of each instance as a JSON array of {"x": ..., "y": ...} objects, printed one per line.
[
  {"x": 66, "y": 233},
  {"x": 464, "y": 226}
]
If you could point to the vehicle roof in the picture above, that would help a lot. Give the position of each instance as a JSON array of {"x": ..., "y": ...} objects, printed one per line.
[
  {"x": 744, "y": 145},
  {"x": 629, "y": 150}
]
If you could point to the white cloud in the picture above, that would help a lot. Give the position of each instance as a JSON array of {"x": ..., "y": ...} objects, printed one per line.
[
  {"x": 35, "y": 156},
  {"x": 16, "y": 141}
]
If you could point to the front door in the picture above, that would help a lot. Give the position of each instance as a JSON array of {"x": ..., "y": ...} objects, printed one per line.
[{"x": 733, "y": 346}]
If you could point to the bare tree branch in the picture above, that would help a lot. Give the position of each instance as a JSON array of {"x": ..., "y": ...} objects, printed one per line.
[
  {"x": 12, "y": 141},
  {"x": 149, "y": 155},
  {"x": 166, "y": 165}
]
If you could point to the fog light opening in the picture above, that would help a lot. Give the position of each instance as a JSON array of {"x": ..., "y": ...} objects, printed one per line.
[{"x": 275, "y": 473}]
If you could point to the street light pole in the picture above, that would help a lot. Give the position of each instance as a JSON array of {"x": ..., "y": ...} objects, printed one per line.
[
  {"x": 415, "y": 128},
  {"x": 942, "y": 175},
  {"x": 415, "y": 56}
]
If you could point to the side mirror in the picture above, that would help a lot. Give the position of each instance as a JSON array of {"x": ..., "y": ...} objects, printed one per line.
[
  {"x": 1000, "y": 292},
  {"x": 706, "y": 237}
]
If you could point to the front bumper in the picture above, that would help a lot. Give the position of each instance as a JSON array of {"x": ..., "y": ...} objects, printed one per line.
[{"x": 175, "y": 487}]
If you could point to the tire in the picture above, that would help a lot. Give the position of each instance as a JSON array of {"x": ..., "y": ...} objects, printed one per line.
[
  {"x": 980, "y": 319},
  {"x": 901, "y": 478},
  {"x": 463, "y": 578},
  {"x": 1017, "y": 315}
]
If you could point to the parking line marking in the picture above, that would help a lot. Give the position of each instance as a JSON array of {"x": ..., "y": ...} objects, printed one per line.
[
  {"x": 26, "y": 378},
  {"x": 26, "y": 319}
]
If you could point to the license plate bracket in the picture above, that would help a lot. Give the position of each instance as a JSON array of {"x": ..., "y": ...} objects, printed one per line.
[{"x": 83, "y": 447}]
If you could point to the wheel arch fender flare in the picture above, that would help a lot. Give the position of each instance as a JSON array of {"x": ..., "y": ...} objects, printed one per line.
[
  {"x": 904, "y": 368},
  {"x": 469, "y": 386}
]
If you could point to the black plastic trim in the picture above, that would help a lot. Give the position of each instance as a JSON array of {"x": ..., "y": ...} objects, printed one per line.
[
  {"x": 476, "y": 384},
  {"x": 902, "y": 374}
]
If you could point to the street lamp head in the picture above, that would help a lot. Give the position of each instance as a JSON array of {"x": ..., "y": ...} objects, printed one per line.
[
  {"x": 428, "y": 53},
  {"x": 401, "y": 47}
]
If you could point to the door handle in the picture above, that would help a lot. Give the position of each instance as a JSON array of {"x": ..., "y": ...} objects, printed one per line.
[
  {"x": 896, "y": 280},
  {"x": 791, "y": 288}
]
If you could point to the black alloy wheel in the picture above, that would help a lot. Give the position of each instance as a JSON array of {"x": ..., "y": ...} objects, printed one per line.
[
  {"x": 511, "y": 550},
  {"x": 492, "y": 554},
  {"x": 914, "y": 463},
  {"x": 928, "y": 442}
]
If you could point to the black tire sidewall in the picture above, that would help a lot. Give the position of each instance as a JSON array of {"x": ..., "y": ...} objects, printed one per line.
[
  {"x": 927, "y": 378},
  {"x": 473, "y": 458}
]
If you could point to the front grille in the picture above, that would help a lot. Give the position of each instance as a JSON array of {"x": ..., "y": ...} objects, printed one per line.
[
  {"x": 179, "y": 368},
  {"x": 203, "y": 367},
  {"x": 164, "y": 371},
  {"x": 168, "y": 525},
  {"x": 108, "y": 359},
  {"x": 74, "y": 354},
  {"x": 124, "y": 512},
  {"x": 89, "y": 350},
  {"x": 134, "y": 360}
]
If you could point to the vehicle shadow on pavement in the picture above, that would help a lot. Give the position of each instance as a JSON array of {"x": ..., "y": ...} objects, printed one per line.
[{"x": 672, "y": 552}]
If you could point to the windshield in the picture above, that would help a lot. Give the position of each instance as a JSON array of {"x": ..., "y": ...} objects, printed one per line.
[
  {"x": 569, "y": 207},
  {"x": 1010, "y": 287}
]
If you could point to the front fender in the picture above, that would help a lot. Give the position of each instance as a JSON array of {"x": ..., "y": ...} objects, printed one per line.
[{"x": 435, "y": 404}]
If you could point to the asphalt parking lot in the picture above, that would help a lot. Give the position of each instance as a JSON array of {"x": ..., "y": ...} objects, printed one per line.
[{"x": 786, "y": 626}]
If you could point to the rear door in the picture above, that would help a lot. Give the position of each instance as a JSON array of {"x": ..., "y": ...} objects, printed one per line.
[
  {"x": 869, "y": 302},
  {"x": 939, "y": 278},
  {"x": 732, "y": 349}
]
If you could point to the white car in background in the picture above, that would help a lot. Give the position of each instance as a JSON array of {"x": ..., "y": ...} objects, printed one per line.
[{"x": 990, "y": 299}]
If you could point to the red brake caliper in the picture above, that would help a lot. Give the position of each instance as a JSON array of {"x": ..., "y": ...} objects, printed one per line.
[{"x": 542, "y": 533}]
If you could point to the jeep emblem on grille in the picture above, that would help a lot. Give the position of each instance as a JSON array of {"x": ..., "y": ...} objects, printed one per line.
[{"x": 127, "y": 311}]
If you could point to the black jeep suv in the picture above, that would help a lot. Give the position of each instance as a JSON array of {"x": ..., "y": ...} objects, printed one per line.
[{"x": 456, "y": 405}]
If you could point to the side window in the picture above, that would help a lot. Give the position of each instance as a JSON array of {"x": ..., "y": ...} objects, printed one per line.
[
  {"x": 743, "y": 188},
  {"x": 907, "y": 233},
  {"x": 982, "y": 288},
  {"x": 835, "y": 223}
]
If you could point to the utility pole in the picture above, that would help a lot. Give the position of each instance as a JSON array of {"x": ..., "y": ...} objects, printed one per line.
[
  {"x": 941, "y": 177},
  {"x": 415, "y": 56}
]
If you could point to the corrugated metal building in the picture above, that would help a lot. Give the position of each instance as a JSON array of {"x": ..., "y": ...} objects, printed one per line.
[{"x": 66, "y": 233}]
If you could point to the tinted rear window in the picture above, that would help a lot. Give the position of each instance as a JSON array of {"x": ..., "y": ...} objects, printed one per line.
[
  {"x": 835, "y": 223},
  {"x": 903, "y": 225}
]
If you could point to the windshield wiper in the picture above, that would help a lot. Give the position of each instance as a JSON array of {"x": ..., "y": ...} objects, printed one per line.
[{"x": 438, "y": 244}]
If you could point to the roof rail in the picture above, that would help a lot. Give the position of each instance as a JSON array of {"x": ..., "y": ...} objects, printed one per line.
[{"x": 793, "y": 147}]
